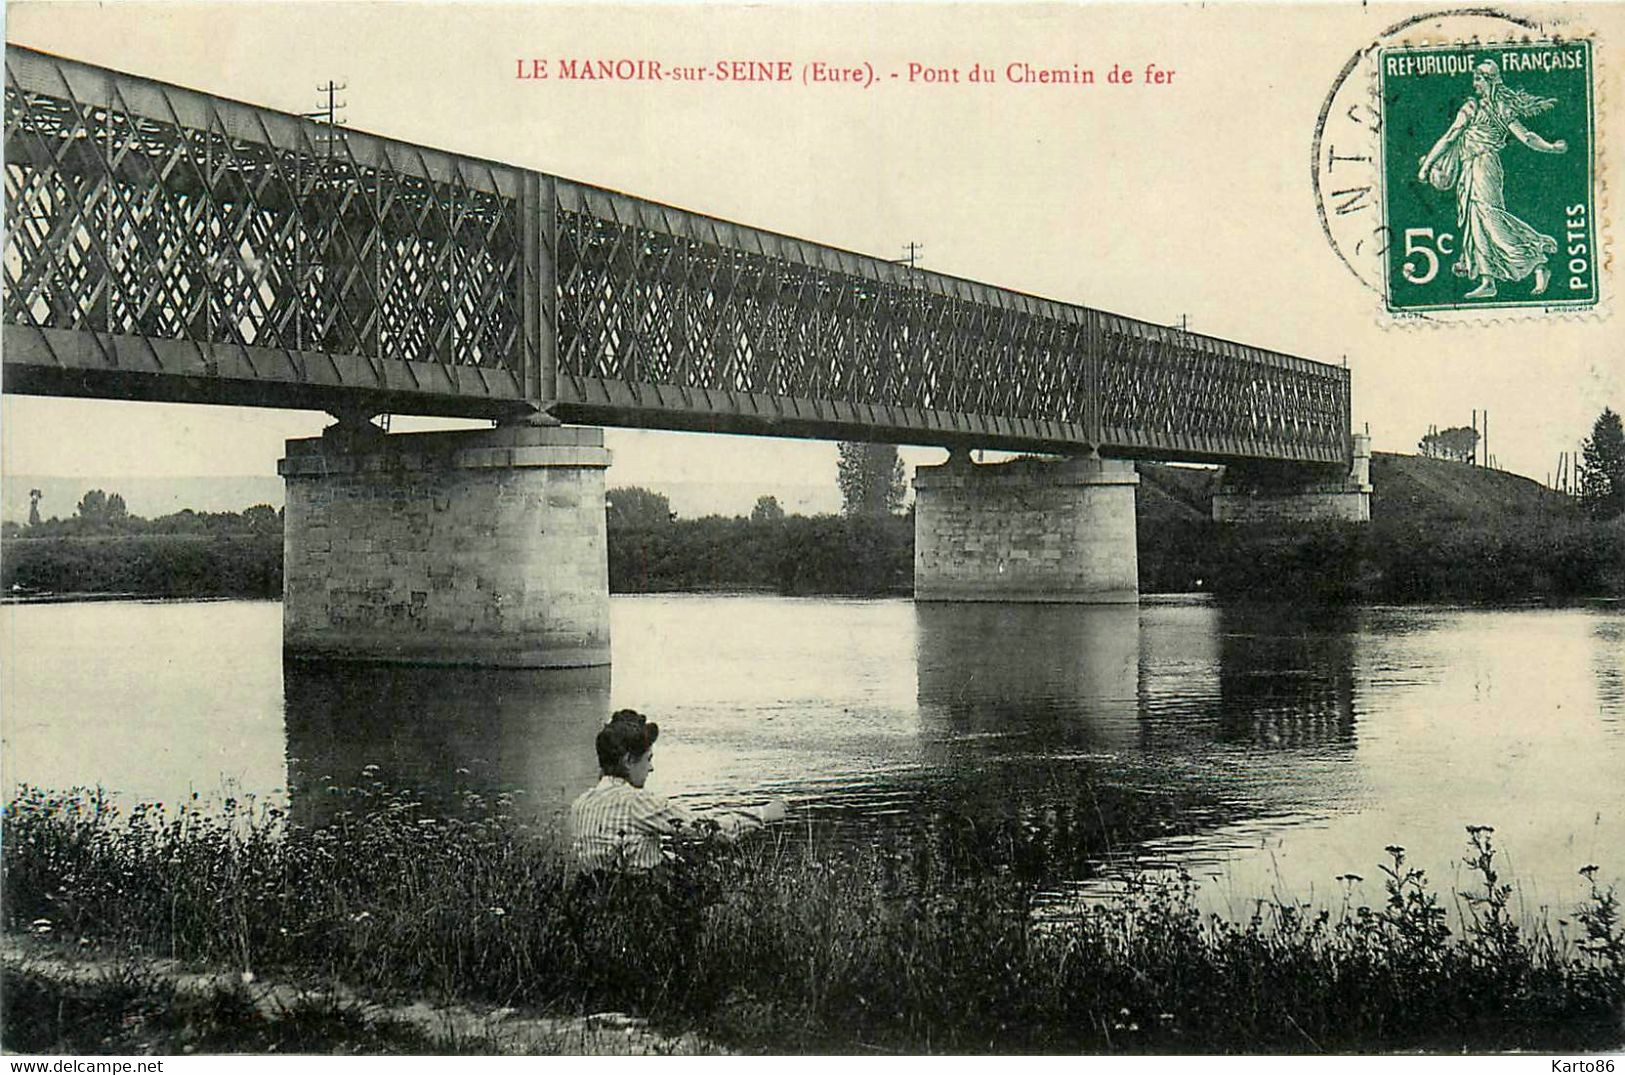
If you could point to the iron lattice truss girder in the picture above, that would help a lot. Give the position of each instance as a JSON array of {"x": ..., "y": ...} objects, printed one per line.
[{"x": 165, "y": 243}]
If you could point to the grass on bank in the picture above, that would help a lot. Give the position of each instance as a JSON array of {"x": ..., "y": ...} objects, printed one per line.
[{"x": 782, "y": 945}]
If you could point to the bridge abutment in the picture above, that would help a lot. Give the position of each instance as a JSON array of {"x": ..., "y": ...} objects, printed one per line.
[
  {"x": 479, "y": 547},
  {"x": 1028, "y": 530},
  {"x": 1249, "y": 495}
]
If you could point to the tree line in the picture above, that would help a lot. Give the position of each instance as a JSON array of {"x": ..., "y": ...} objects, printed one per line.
[
  {"x": 1458, "y": 444},
  {"x": 869, "y": 548},
  {"x": 866, "y": 550},
  {"x": 103, "y": 514},
  {"x": 104, "y": 549}
]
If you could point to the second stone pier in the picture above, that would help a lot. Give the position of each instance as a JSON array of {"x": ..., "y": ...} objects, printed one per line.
[
  {"x": 1026, "y": 530},
  {"x": 479, "y": 547}
]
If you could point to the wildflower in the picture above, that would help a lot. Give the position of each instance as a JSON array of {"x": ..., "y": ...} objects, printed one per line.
[
  {"x": 248, "y": 977},
  {"x": 497, "y": 912}
]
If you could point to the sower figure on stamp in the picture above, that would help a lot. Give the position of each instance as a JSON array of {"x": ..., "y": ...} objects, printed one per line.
[
  {"x": 1495, "y": 245},
  {"x": 617, "y": 825}
]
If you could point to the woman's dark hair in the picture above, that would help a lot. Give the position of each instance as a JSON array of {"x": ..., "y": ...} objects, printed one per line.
[{"x": 628, "y": 732}]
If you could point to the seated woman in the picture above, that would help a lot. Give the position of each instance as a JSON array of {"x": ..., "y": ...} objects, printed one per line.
[{"x": 617, "y": 824}]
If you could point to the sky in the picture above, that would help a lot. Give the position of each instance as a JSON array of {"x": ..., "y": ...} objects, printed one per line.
[{"x": 1191, "y": 198}]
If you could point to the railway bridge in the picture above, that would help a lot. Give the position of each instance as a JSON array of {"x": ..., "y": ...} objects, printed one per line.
[{"x": 173, "y": 245}]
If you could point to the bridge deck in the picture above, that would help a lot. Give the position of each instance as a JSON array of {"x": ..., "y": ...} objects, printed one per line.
[{"x": 163, "y": 243}]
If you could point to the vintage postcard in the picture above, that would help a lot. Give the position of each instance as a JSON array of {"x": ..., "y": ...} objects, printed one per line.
[{"x": 976, "y": 528}]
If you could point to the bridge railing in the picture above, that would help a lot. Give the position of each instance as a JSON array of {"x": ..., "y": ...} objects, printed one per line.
[{"x": 168, "y": 243}]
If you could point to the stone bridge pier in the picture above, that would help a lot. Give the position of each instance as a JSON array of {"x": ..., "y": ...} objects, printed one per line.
[
  {"x": 479, "y": 547},
  {"x": 1028, "y": 530},
  {"x": 1276, "y": 492}
]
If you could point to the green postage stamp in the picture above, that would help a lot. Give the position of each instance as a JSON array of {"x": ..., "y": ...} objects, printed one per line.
[{"x": 1488, "y": 171}]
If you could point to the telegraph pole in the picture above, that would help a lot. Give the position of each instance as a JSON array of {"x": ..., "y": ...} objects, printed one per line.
[
  {"x": 329, "y": 116},
  {"x": 911, "y": 255}
]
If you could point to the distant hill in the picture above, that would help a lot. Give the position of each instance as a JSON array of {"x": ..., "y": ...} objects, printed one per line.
[
  {"x": 1404, "y": 487},
  {"x": 1439, "y": 531},
  {"x": 1411, "y": 487},
  {"x": 1174, "y": 494}
]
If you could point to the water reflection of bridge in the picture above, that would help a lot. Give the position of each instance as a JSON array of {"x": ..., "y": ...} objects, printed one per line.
[
  {"x": 1138, "y": 678},
  {"x": 1092, "y": 728},
  {"x": 441, "y": 733}
]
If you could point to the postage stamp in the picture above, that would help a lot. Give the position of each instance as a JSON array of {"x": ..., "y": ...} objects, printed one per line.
[
  {"x": 1504, "y": 110},
  {"x": 1488, "y": 178}
]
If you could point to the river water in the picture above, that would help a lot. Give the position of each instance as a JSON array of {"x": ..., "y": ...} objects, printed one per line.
[{"x": 1266, "y": 750}]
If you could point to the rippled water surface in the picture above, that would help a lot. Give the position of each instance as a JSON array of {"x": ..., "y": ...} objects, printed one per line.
[{"x": 1270, "y": 749}]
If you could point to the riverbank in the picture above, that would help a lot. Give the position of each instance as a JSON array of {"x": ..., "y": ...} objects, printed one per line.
[
  {"x": 787, "y": 946},
  {"x": 1440, "y": 531}
]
